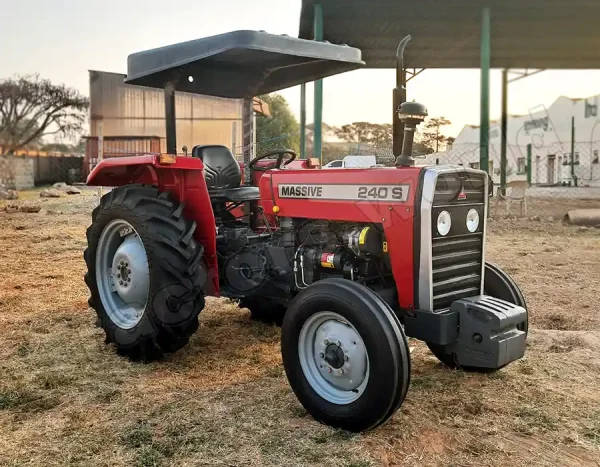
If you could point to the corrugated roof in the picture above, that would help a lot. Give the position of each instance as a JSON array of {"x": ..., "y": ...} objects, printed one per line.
[{"x": 446, "y": 33}]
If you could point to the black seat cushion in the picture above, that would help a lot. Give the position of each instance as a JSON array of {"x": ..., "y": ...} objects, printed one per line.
[
  {"x": 235, "y": 195},
  {"x": 221, "y": 170}
]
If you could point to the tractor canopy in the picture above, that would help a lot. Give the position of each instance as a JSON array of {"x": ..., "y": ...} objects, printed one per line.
[{"x": 240, "y": 64}]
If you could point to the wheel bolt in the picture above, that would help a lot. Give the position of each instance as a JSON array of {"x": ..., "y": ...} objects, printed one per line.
[
  {"x": 338, "y": 343},
  {"x": 129, "y": 279},
  {"x": 120, "y": 282},
  {"x": 326, "y": 342},
  {"x": 129, "y": 271},
  {"x": 346, "y": 358},
  {"x": 121, "y": 262},
  {"x": 119, "y": 276},
  {"x": 341, "y": 371},
  {"x": 328, "y": 370},
  {"x": 322, "y": 355}
]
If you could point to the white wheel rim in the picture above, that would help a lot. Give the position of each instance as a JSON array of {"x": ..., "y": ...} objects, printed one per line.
[
  {"x": 333, "y": 358},
  {"x": 122, "y": 274}
]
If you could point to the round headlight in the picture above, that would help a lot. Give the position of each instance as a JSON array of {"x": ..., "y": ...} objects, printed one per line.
[
  {"x": 472, "y": 220},
  {"x": 444, "y": 222}
]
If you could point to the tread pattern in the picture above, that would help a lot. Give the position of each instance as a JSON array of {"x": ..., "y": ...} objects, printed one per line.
[{"x": 177, "y": 273}]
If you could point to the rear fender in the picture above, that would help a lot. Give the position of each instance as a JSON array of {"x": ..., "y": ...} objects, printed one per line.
[{"x": 184, "y": 180}]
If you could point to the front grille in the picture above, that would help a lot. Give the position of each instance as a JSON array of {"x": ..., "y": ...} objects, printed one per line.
[{"x": 457, "y": 257}]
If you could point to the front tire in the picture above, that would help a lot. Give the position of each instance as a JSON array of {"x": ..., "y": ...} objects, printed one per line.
[
  {"x": 498, "y": 284},
  {"x": 345, "y": 355},
  {"x": 145, "y": 272}
]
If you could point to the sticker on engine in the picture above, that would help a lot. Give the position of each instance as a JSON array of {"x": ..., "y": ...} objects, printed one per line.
[{"x": 387, "y": 193}]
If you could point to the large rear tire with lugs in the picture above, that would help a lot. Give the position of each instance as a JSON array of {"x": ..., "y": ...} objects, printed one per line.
[
  {"x": 144, "y": 272},
  {"x": 498, "y": 284},
  {"x": 345, "y": 355}
]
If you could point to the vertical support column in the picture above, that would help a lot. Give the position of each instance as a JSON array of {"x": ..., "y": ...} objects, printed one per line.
[
  {"x": 303, "y": 121},
  {"x": 573, "y": 177},
  {"x": 170, "y": 118},
  {"x": 247, "y": 134},
  {"x": 398, "y": 98},
  {"x": 484, "y": 129},
  {"x": 504, "y": 124},
  {"x": 318, "y": 120},
  {"x": 529, "y": 162}
]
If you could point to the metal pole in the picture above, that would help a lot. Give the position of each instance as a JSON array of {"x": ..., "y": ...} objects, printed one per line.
[
  {"x": 170, "y": 118},
  {"x": 484, "y": 129},
  {"x": 529, "y": 159},
  {"x": 303, "y": 121},
  {"x": 318, "y": 120},
  {"x": 247, "y": 130},
  {"x": 573, "y": 151},
  {"x": 504, "y": 125},
  {"x": 398, "y": 99}
]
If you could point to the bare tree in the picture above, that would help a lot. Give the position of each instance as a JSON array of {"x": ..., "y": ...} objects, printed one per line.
[{"x": 32, "y": 108}]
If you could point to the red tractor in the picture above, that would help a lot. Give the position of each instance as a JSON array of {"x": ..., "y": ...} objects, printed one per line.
[{"x": 352, "y": 260}]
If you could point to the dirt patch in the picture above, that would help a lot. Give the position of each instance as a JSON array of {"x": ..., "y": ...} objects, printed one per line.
[{"x": 66, "y": 398}]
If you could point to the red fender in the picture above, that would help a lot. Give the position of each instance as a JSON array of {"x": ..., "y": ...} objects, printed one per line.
[{"x": 184, "y": 180}]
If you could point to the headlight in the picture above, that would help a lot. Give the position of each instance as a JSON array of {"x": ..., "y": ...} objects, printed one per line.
[
  {"x": 444, "y": 222},
  {"x": 472, "y": 220}
]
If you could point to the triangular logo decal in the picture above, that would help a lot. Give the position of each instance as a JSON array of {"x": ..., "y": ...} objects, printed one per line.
[{"x": 462, "y": 195}]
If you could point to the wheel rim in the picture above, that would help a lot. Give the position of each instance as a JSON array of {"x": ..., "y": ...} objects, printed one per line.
[
  {"x": 122, "y": 274},
  {"x": 333, "y": 358}
]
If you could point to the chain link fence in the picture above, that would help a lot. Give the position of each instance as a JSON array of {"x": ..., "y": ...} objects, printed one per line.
[{"x": 550, "y": 170}]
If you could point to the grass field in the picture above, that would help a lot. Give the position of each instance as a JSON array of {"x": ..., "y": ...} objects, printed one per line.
[{"x": 67, "y": 399}]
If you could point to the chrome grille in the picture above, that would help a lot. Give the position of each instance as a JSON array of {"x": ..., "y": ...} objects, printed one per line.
[{"x": 456, "y": 259}]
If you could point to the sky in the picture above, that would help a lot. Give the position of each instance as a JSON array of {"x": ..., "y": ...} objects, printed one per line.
[{"x": 62, "y": 43}]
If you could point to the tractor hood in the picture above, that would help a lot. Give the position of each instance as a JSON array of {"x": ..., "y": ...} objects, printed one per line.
[{"x": 240, "y": 64}]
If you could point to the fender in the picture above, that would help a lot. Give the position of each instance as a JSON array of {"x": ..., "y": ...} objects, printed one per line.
[{"x": 184, "y": 180}]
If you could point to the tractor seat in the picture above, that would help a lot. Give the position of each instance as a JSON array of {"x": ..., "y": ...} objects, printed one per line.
[{"x": 223, "y": 175}]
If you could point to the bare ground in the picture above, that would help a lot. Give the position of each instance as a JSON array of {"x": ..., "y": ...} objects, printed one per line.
[{"x": 67, "y": 399}]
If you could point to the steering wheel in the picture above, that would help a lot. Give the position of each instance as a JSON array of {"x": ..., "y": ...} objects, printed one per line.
[{"x": 279, "y": 163}]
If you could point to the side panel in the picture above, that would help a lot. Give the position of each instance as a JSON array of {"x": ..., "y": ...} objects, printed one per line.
[
  {"x": 354, "y": 195},
  {"x": 185, "y": 181}
]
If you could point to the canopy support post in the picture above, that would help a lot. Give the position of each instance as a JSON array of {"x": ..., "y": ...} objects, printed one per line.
[
  {"x": 318, "y": 120},
  {"x": 247, "y": 130},
  {"x": 484, "y": 128},
  {"x": 170, "y": 118},
  {"x": 303, "y": 121}
]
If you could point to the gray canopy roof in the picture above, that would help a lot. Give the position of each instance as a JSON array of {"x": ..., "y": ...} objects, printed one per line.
[{"x": 240, "y": 64}]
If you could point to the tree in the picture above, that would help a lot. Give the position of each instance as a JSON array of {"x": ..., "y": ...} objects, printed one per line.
[
  {"x": 32, "y": 108},
  {"x": 432, "y": 135},
  {"x": 280, "y": 130}
]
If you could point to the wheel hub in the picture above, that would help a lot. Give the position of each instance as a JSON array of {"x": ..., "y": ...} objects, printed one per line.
[
  {"x": 122, "y": 274},
  {"x": 333, "y": 357}
]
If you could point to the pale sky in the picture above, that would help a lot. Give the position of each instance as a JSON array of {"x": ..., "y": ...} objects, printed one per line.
[{"x": 62, "y": 40}]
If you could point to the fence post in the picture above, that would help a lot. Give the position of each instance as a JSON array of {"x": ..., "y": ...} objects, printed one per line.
[
  {"x": 529, "y": 151},
  {"x": 573, "y": 177}
]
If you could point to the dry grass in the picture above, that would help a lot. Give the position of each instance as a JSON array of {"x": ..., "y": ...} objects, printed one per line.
[{"x": 67, "y": 399}]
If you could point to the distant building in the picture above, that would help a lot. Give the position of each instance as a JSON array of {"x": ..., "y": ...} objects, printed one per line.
[
  {"x": 548, "y": 130},
  {"x": 130, "y": 111}
]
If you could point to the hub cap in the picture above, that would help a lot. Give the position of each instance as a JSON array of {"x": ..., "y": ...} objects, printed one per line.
[
  {"x": 122, "y": 274},
  {"x": 333, "y": 358}
]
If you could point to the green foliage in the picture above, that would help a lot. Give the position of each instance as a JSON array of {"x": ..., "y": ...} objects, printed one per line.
[
  {"x": 280, "y": 130},
  {"x": 375, "y": 134},
  {"x": 432, "y": 135}
]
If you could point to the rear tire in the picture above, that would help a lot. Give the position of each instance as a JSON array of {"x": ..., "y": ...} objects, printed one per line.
[
  {"x": 497, "y": 284},
  {"x": 172, "y": 274},
  {"x": 342, "y": 326}
]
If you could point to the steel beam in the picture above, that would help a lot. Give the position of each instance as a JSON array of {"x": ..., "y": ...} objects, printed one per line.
[
  {"x": 504, "y": 130},
  {"x": 318, "y": 120},
  {"x": 484, "y": 128},
  {"x": 247, "y": 133}
]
